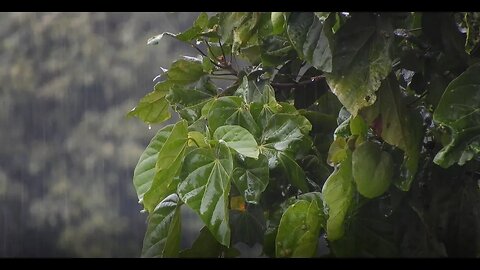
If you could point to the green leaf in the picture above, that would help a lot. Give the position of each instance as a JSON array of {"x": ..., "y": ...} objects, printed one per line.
[
  {"x": 247, "y": 226},
  {"x": 185, "y": 71},
  {"x": 294, "y": 172},
  {"x": 284, "y": 133},
  {"x": 201, "y": 21},
  {"x": 145, "y": 169},
  {"x": 169, "y": 162},
  {"x": 205, "y": 185},
  {"x": 256, "y": 91},
  {"x": 230, "y": 111},
  {"x": 284, "y": 129},
  {"x": 472, "y": 20},
  {"x": 199, "y": 29},
  {"x": 372, "y": 169},
  {"x": 245, "y": 30},
  {"x": 361, "y": 60},
  {"x": 237, "y": 138},
  {"x": 459, "y": 110},
  {"x": 299, "y": 230},
  {"x": 155, "y": 40},
  {"x": 152, "y": 108},
  {"x": 278, "y": 22},
  {"x": 276, "y": 50},
  {"x": 338, "y": 193},
  {"x": 188, "y": 100},
  {"x": 205, "y": 246},
  {"x": 399, "y": 126},
  {"x": 370, "y": 234},
  {"x": 229, "y": 21},
  {"x": 162, "y": 238},
  {"x": 358, "y": 126},
  {"x": 196, "y": 138},
  {"x": 251, "y": 177},
  {"x": 338, "y": 151},
  {"x": 312, "y": 38}
]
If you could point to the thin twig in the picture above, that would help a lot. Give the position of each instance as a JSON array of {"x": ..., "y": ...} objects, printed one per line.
[
  {"x": 221, "y": 47},
  {"x": 417, "y": 99},
  {"x": 210, "y": 49},
  {"x": 294, "y": 84},
  {"x": 225, "y": 74},
  {"x": 223, "y": 78},
  {"x": 213, "y": 62},
  {"x": 198, "y": 49}
]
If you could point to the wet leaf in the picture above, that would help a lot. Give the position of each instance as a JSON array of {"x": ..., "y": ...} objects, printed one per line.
[
  {"x": 145, "y": 169},
  {"x": 361, "y": 60},
  {"x": 152, "y": 108},
  {"x": 372, "y": 169},
  {"x": 230, "y": 111},
  {"x": 251, "y": 177},
  {"x": 338, "y": 193},
  {"x": 299, "y": 230},
  {"x": 312, "y": 38},
  {"x": 239, "y": 139},
  {"x": 168, "y": 164},
  {"x": 459, "y": 110},
  {"x": 205, "y": 185},
  {"x": 162, "y": 238},
  {"x": 247, "y": 226}
]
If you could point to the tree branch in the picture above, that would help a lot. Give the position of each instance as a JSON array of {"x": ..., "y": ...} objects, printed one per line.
[{"x": 312, "y": 80}]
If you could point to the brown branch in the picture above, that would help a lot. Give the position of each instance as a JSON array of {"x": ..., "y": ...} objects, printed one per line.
[{"x": 213, "y": 62}]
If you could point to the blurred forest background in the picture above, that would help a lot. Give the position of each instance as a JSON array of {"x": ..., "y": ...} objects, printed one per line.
[{"x": 67, "y": 150}]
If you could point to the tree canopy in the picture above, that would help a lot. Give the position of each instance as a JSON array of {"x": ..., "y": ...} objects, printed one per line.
[{"x": 361, "y": 129}]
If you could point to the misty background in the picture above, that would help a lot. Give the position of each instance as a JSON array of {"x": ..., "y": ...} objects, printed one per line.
[{"x": 67, "y": 149}]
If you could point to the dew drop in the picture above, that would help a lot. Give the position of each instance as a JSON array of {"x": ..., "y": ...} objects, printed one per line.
[{"x": 149, "y": 127}]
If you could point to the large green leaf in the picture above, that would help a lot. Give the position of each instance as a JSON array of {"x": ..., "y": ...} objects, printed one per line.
[
  {"x": 361, "y": 60},
  {"x": 230, "y": 111},
  {"x": 206, "y": 246},
  {"x": 337, "y": 151},
  {"x": 185, "y": 71},
  {"x": 459, "y": 109},
  {"x": 312, "y": 38},
  {"x": 370, "y": 234},
  {"x": 285, "y": 136},
  {"x": 145, "y": 170},
  {"x": 256, "y": 91},
  {"x": 162, "y": 238},
  {"x": 251, "y": 176},
  {"x": 205, "y": 185},
  {"x": 299, "y": 230},
  {"x": 228, "y": 22},
  {"x": 169, "y": 162},
  {"x": 247, "y": 226},
  {"x": 188, "y": 100},
  {"x": 294, "y": 172},
  {"x": 152, "y": 108},
  {"x": 399, "y": 126},
  {"x": 276, "y": 50},
  {"x": 239, "y": 139},
  {"x": 284, "y": 129},
  {"x": 338, "y": 193},
  {"x": 278, "y": 22},
  {"x": 372, "y": 169}
]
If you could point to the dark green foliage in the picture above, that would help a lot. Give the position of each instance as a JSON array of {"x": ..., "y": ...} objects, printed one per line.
[{"x": 353, "y": 91}]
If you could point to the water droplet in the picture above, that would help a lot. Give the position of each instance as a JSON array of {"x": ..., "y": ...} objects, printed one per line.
[{"x": 149, "y": 127}]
